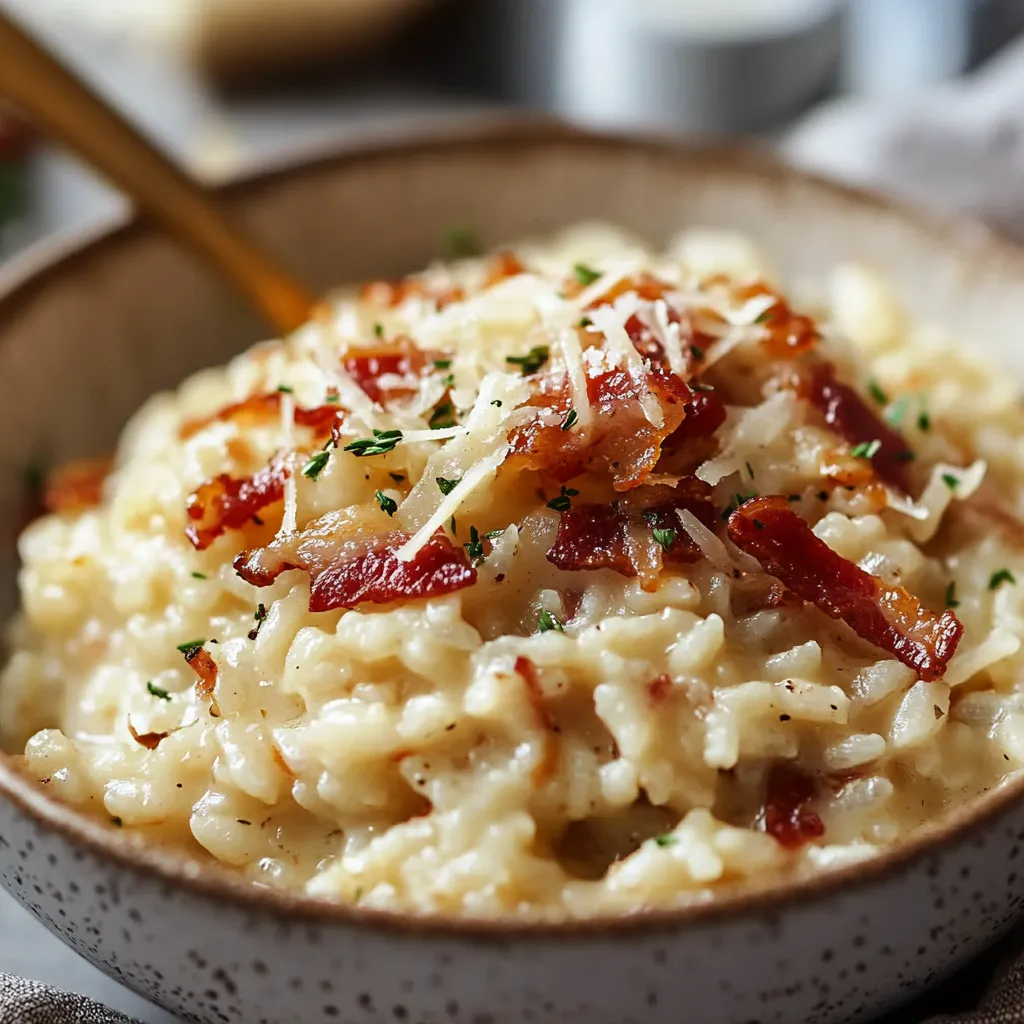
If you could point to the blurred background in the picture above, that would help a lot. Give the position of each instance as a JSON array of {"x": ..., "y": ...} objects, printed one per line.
[{"x": 222, "y": 83}]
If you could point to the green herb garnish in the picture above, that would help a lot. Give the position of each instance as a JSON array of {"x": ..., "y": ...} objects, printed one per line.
[
  {"x": 285, "y": 390},
  {"x": 562, "y": 503},
  {"x": 546, "y": 622},
  {"x": 924, "y": 421},
  {"x": 698, "y": 352},
  {"x": 316, "y": 463},
  {"x": 952, "y": 482},
  {"x": 866, "y": 449},
  {"x": 382, "y": 442},
  {"x": 736, "y": 501},
  {"x": 199, "y": 576},
  {"x": 876, "y": 392},
  {"x": 443, "y": 416},
  {"x": 378, "y": 330},
  {"x": 585, "y": 275},
  {"x": 569, "y": 420},
  {"x": 460, "y": 242},
  {"x": 584, "y": 321},
  {"x": 442, "y": 364},
  {"x": 532, "y": 361},
  {"x": 1000, "y": 576},
  {"x": 666, "y": 839},
  {"x": 155, "y": 691},
  {"x": 895, "y": 413},
  {"x": 386, "y": 504},
  {"x": 475, "y": 547},
  {"x": 951, "y": 601},
  {"x": 447, "y": 486},
  {"x": 190, "y": 647},
  {"x": 665, "y": 537}
]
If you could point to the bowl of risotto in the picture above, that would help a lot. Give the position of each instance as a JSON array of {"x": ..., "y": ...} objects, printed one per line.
[{"x": 608, "y": 602}]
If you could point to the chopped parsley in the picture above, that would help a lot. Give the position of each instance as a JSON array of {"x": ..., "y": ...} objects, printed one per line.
[
  {"x": 316, "y": 463},
  {"x": 491, "y": 534},
  {"x": 750, "y": 470},
  {"x": 259, "y": 615},
  {"x": 665, "y": 537},
  {"x": 951, "y": 481},
  {"x": 585, "y": 275},
  {"x": 443, "y": 416},
  {"x": 584, "y": 321},
  {"x": 199, "y": 576},
  {"x": 442, "y": 364},
  {"x": 333, "y": 398},
  {"x": 497, "y": 402},
  {"x": 698, "y": 352},
  {"x": 447, "y": 486},
  {"x": 532, "y": 361},
  {"x": 190, "y": 647},
  {"x": 895, "y": 413},
  {"x": 157, "y": 692},
  {"x": 451, "y": 523},
  {"x": 924, "y": 421},
  {"x": 736, "y": 501},
  {"x": 547, "y": 622},
  {"x": 562, "y": 502},
  {"x": 382, "y": 442},
  {"x": 448, "y": 380},
  {"x": 569, "y": 420},
  {"x": 866, "y": 449},
  {"x": 876, "y": 392},
  {"x": 475, "y": 547},
  {"x": 386, "y": 504},
  {"x": 397, "y": 477},
  {"x": 666, "y": 839},
  {"x": 1000, "y": 576},
  {"x": 285, "y": 390},
  {"x": 762, "y": 318},
  {"x": 951, "y": 601},
  {"x": 378, "y": 330},
  {"x": 793, "y": 497},
  {"x": 460, "y": 242}
]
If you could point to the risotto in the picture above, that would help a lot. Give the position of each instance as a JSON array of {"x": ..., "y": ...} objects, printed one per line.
[{"x": 571, "y": 580}]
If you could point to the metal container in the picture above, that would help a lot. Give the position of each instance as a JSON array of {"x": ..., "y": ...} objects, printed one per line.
[{"x": 690, "y": 65}]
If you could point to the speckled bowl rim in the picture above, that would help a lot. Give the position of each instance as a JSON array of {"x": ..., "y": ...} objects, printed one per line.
[{"x": 23, "y": 279}]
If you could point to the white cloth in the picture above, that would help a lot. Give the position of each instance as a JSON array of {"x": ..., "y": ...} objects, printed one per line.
[{"x": 956, "y": 147}]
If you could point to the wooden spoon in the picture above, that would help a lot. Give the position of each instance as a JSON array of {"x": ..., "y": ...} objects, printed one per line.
[{"x": 68, "y": 110}]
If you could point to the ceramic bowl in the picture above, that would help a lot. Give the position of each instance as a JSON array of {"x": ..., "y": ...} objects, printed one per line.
[{"x": 87, "y": 331}]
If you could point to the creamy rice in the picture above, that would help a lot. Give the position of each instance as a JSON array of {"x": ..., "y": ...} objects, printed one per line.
[{"x": 535, "y": 739}]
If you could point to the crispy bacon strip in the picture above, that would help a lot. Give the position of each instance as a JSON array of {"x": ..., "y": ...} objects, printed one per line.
[
  {"x": 787, "y": 816},
  {"x": 850, "y": 417},
  {"x": 789, "y": 333},
  {"x": 149, "y": 740},
  {"x": 201, "y": 662},
  {"x": 594, "y": 536},
  {"x": 258, "y": 409},
  {"x": 502, "y": 265},
  {"x": 350, "y": 556},
  {"x": 76, "y": 486},
  {"x": 622, "y": 441},
  {"x": 398, "y": 358},
  {"x": 882, "y": 613},
  {"x": 546, "y": 767},
  {"x": 227, "y": 503}
]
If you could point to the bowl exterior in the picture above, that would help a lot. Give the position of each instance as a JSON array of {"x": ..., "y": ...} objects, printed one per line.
[{"x": 84, "y": 338}]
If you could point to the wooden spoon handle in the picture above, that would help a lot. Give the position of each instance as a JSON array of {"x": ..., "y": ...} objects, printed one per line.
[{"x": 63, "y": 107}]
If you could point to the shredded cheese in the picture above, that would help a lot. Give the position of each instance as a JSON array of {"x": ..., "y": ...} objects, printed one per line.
[{"x": 572, "y": 354}]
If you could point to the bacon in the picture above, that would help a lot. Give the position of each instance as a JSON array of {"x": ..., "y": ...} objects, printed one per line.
[
  {"x": 149, "y": 740},
  {"x": 659, "y": 688},
  {"x": 400, "y": 358},
  {"x": 228, "y": 503},
  {"x": 201, "y": 662},
  {"x": 545, "y": 768},
  {"x": 502, "y": 265},
  {"x": 789, "y": 333},
  {"x": 393, "y": 293},
  {"x": 350, "y": 556},
  {"x": 704, "y": 414},
  {"x": 645, "y": 284},
  {"x": 621, "y": 442},
  {"x": 853, "y": 420},
  {"x": 882, "y": 613},
  {"x": 592, "y": 536},
  {"x": 787, "y": 816},
  {"x": 76, "y": 486},
  {"x": 258, "y": 409}
]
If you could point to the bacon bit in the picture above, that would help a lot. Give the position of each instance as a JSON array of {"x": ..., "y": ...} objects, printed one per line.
[
  {"x": 548, "y": 764},
  {"x": 659, "y": 688},
  {"x": 787, "y": 817},
  {"x": 646, "y": 285},
  {"x": 149, "y": 740},
  {"x": 789, "y": 333},
  {"x": 594, "y": 536},
  {"x": 705, "y": 413},
  {"x": 201, "y": 662},
  {"x": 379, "y": 576},
  {"x": 621, "y": 442},
  {"x": 76, "y": 486},
  {"x": 400, "y": 358},
  {"x": 882, "y": 613},
  {"x": 350, "y": 556},
  {"x": 393, "y": 293},
  {"x": 258, "y": 409},
  {"x": 850, "y": 417},
  {"x": 502, "y": 265},
  {"x": 227, "y": 503}
]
